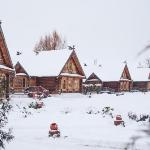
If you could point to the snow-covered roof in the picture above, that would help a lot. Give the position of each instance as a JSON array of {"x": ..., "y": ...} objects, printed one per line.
[
  {"x": 46, "y": 63},
  {"x": 106, "y": 72},
  {"x": 21, "y": 74},
  {"x": 112, "y": 72},
  {"x": 71, "y": 75},
  {"x": 140, "y": 74},
  {"x": 6, "y": 68},
  {"x": 91, "y": 68}
]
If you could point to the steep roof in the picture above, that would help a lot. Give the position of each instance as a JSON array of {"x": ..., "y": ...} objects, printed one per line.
[
  {"x": 140, "y": 74},
  {"x": 91, "y": 68},
  {"x": 20, "y": 69},
  {"x": 93, "y": 77},
  {"x": 46, "y": 63},
  {"x": 106, "y": 72},
  {"x": 114, "y": 72},
  {"x": 4, "y": 50}
]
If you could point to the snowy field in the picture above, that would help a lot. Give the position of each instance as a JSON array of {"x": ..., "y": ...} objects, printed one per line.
[{"x": 79, "y": 130}]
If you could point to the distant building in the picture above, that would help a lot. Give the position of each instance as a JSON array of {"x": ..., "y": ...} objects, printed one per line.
[
  {"x": 92, "y": 83},
  {"x": 141, "y": 79},
  {"x": 122, "y": 83},
  {"x": 6, "y": 67},
  {"x": 22, "y": 79},
  {"x": 111, "y": 78}
]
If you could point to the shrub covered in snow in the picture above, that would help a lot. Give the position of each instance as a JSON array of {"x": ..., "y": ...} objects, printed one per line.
[
  {"x": 107, "y": 111},
  {"x": 36, "y": 105},
  {"x": 7, "y": 136},
  {"x": 136, "y": 117}
]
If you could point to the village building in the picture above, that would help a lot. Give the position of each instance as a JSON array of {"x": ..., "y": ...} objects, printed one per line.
[
  {"x": 92, "y": 83},
  {"x": 6, "y": 67},
  {"x": 22, "y": 79},
  {"x": 116, "y": 83},
  {"x": 115, "y": 78},
  {"x": 141, "y": 79},
  {"x": 55, "y": 70}
]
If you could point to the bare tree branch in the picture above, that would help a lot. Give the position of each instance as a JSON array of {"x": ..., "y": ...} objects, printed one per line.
[{"x": 50, "y": 42}]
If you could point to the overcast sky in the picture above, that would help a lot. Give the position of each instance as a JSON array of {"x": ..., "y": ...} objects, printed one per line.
[{"x": 107, "y": 30}]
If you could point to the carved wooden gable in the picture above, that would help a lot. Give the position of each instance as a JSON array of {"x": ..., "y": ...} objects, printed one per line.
[
  {"x": 93, "y": 76},
  {"x": 126, "y": 73},
  {"x": 19, "y": 68},
  {"x": 4, "y": 53},
  {"x": 70, "y": 67},
  {"x": 73, "y": 66}
]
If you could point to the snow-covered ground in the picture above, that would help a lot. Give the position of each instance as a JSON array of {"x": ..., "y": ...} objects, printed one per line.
[{"x": 79, "y": 130}]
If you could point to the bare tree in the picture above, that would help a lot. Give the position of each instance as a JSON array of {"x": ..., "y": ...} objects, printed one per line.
[
  {"x": 147, "y": 62},
  {"x": 50, "y": 42},
  {"x": 146, "y": 48}
]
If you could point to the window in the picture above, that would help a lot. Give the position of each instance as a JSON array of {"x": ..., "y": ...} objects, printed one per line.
[
  {"x": 64, "y": 84},
  {"x": 76, "y": 84},
  {"x": 24, "y": 82}
]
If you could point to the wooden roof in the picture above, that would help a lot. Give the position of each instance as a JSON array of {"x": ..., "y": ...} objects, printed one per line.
[
  {"x": 77, "y": 62},
  {"x": 125, "y": 74},
  {"x": 20, "y": 69},
  {"x": 92, "y": 77},
  {"x": 49, "y": 63},
  {"x": 5, "y": 56}
]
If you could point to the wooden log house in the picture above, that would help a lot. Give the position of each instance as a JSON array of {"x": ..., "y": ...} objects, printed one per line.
[
  {"x": 141, "y": 78},
  {"x": 6, "y": 67},
  {"x": 93, "y": 82},
  {"x": 21, "y": 80},
  {"x": 124, "y": 83},
  {"x": 56, "y": 70}
]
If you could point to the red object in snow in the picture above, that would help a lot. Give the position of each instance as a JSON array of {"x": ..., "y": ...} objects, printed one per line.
[
  {"x": 118, "y": 120},
  {"x": 54, "y": 130},
  {"x": 118, "y": 117},
  {"x": 54, "y": 126}
]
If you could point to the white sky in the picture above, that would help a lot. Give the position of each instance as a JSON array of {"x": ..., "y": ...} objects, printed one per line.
[{"x": 107, "y": 30}]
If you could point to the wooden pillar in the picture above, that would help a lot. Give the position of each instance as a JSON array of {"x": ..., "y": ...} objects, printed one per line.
[{"x": 7, "y": 86}]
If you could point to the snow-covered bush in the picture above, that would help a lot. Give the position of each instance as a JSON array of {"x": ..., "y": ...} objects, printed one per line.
[
  {"x": 132, "y": 116},
  {"x": 137, "y": 118},
  {"x": 5, "y": 136},
  {"x": 36, "y": 105},
  {"x": 107, "y": 111},
  {"x": 25, "y": 112}
]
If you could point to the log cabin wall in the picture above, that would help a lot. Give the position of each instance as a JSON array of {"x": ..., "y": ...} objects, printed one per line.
[
  {"x": 2, "y": 84},
  {"x": 50, "y": 83},
  {"x": 93, "y": 82},
  {"x": 70, "y": 84},
  {"x": 20, "y": 83},
  {"x": 141, "y": 85},
  {"x": 125, "y": 85},
  {"x": 148, "y": 85},
  {"x": 5, "y": 60},
  {"x": 111, "y": 85},
  {"x": 32, "y": 81}
]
